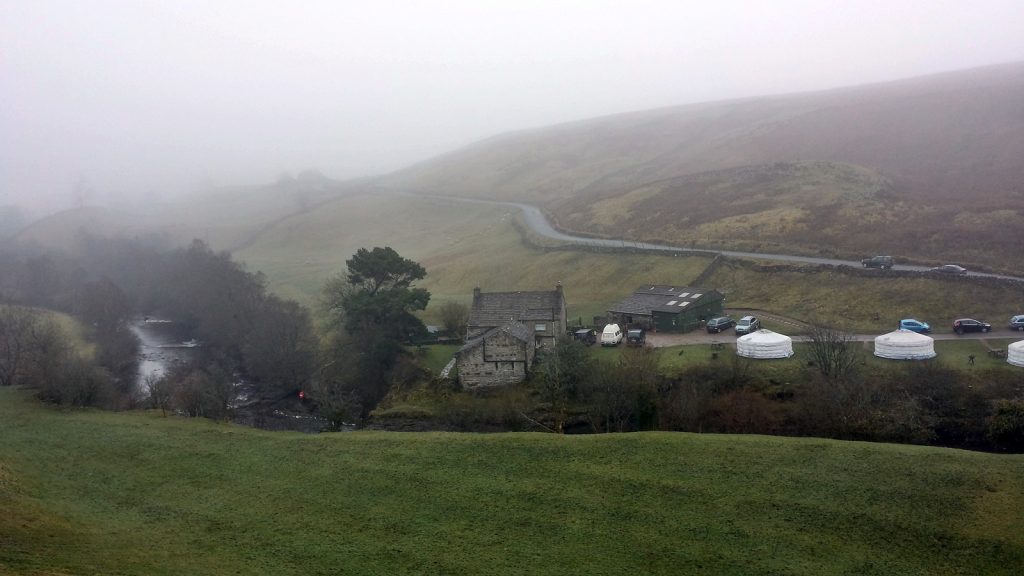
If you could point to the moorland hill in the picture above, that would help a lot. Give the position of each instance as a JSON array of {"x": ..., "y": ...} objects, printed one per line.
[{"x": 941, "y": 149}]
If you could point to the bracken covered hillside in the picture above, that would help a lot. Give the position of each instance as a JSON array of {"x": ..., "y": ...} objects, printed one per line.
[{"x": 945, "y": 151}]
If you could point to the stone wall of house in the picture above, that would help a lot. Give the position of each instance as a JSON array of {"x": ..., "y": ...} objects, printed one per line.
[{"x": 500, "y": 360}]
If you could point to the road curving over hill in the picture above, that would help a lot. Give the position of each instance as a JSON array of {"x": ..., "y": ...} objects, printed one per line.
[{"x": 540, "y": 225}]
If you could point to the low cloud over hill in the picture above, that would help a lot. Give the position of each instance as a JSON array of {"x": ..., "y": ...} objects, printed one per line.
[{"x": 947, "y": 148}]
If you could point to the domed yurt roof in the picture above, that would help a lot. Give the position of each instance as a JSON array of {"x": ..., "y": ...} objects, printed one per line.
[
  {"x": 904, "y": 345},
  {"x": 1015, "y": 353},
  {"x": 764, "y": 344}
]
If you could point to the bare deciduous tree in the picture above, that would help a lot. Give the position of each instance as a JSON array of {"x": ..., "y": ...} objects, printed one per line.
[
  {"x": 16, "y": 324},
  {"x": 161, "y": 392},
  {"x": 835, "y": 352},
  {"x": 454, "y": 316}
]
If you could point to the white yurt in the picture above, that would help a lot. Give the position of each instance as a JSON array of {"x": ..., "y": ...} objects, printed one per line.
[
  {"x": 904, "y": 345},
  {"x": 1015, "y": 353},
  {"x": 764, "y": 344}
]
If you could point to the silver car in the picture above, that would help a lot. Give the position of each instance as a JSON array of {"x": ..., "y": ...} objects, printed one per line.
[{"x": 747, "y": 324}]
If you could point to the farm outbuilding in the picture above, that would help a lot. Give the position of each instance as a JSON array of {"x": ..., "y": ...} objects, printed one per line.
[
  {"x": 500, "y": 356},
  {"x": 1015, "y": 353},
  {"x": 665, "y": 308},
  {"x": 764, "y": 344},
  {"x": 904, "y": 345}
]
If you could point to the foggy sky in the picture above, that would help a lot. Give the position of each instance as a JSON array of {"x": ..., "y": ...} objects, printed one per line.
[{"x": 144, "y": 99}]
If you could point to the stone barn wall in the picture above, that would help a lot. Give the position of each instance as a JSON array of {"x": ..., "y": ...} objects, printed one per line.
[{"x": 498, "y": 360}]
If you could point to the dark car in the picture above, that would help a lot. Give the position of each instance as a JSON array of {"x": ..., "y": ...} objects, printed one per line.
[
  {"x": 950, "y": 269},
  {"x": 747, "y": 324},
  {"x": 716, "y": 325},
  {"x": 970, "y": 325},
  {"x": 883, "y": 262},
  {"x": 1017, "y": 322},
  {"x": 635, "y": 337},
  {"x": 586, "y": 335}
]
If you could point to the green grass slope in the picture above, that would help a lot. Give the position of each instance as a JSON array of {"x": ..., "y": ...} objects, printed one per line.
[
  {"x": 861, "y": 303},
  {"x": 84, "y": 492},
  {"x": 462, "y": 246}
]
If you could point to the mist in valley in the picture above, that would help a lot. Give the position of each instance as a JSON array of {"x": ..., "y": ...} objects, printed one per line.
[
  {"x": 132, "y": 104},
  {"x": 770, "y": 250}
]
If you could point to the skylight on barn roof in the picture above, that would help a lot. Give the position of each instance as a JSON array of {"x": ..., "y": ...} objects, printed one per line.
[
  {"x": 695, "y": 296},
  {"x": 681, "y": 304},
  {"x": 684, "y": 294},
  {"x": 671, "y": 302}
]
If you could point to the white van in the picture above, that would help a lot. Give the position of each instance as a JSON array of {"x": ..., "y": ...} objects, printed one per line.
[{"x": 611, "y": 335}]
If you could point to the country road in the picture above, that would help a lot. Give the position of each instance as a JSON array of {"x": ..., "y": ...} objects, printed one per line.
[{"x": 539, "y": 224}]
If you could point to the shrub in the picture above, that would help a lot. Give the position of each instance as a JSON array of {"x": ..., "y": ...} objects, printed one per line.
[{"x": 1006, "y": 427}]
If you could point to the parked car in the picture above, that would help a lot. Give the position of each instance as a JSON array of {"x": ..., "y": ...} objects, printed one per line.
[
  {"x": 747, "y": 324},
  {"x": 611, "y": 335},
  {"x": 915, "y": 326},
  {"x": 716, "y": 325},
  {"x": 950, "y": 269},
  {"x": 883, "y": 262},
  {"x": 970, "y": 325},
  {"x": 1017, "y": 322},
  {"x": 587, "y": 336},
  {"x": 635, "y": 337}
]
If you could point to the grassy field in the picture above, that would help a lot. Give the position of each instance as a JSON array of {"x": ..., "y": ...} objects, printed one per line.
[
  {"x": 860, "y": 303},
  {"x": 436, "y": 356},
  {"x": 462, "y": 246},
  {"x": 87, "y": 492}
]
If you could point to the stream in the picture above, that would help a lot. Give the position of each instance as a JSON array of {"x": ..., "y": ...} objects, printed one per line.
[{"x": 163, "y": 343}]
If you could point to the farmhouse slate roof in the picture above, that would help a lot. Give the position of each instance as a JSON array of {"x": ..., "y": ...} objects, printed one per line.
[
  {"x": 497, "y": 308},
  {"x": 651, "y": 298},
  {"x": 515, "y": 329}
]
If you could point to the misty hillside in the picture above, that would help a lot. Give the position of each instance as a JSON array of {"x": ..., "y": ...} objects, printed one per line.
[
  {"x": 227, "y": 218},
  {"x": 925, "y": 169},
  {"x": 944, "y": 151},
  {"x": 936, "y": 137}
]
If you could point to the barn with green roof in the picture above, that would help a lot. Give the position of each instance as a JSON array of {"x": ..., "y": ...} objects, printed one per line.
[{"x": 665, "y": 308}]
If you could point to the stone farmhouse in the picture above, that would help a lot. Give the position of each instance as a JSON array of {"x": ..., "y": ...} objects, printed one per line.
[
  {"x": 504, "y": 331},
  {"x": 542, "y": 312}
]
